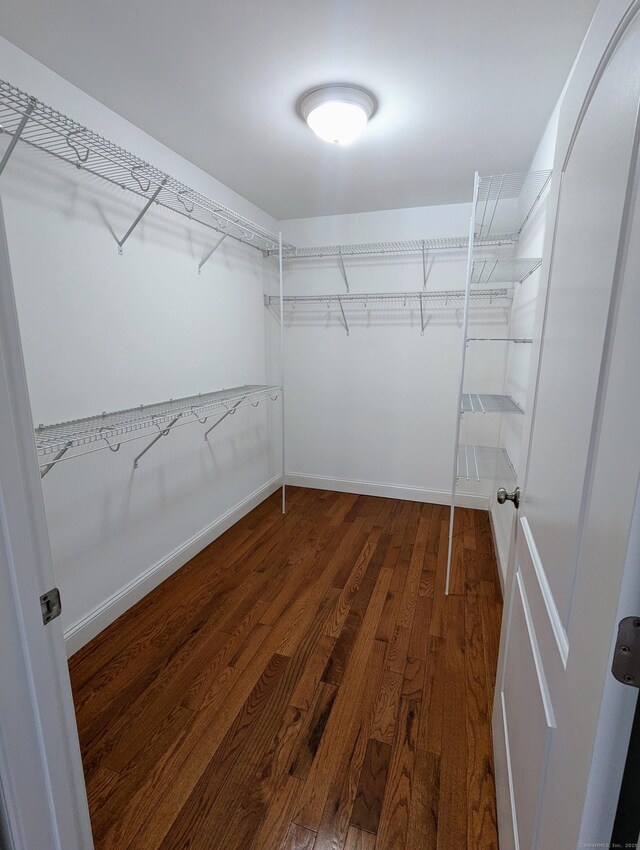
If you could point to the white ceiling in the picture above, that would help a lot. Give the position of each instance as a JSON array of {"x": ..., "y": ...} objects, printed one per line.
[{"x": 461, "y": 85}]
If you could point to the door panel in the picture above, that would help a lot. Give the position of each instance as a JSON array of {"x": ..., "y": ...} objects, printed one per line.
[
  {"x": 583, "y": 463},
  {"x": 528, "y": 716},
  {"x": 592, "y": 196},
  {"x": 551, "y": 635}
]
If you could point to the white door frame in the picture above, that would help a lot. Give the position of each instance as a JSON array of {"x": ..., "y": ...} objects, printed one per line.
[
  {"x": 41, "y": 778},
  {"x": 608, "y": 26}
]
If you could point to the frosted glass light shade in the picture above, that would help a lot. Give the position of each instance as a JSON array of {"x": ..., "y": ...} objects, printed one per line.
[{"x": 337, "y": 114}]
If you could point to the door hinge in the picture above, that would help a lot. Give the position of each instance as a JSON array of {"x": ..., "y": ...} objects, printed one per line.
[
  {"x": 626, "y": 656},
  {"x": 50, "y": 605}
]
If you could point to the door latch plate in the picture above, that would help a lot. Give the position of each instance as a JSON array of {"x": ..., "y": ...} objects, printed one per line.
[
  {"x": 626, "y": 657},
  {"x": 50, "y": 605}
]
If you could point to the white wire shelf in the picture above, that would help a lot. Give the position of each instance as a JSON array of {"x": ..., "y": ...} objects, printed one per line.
[
  {"x": 489, "y": 403},
  {"x": 524, "y": 188},
  {"x": 49, "y": 130},
  {"x": 516, "y": 339},
  {"x": 355, "y": 307},
  {"x": 444, "y": 298},
  {"x": 95, "y": 433},
  {"x": 484, "y": 463},
  {"x": 503, "y": 270},
  {"x": 410, "y": 246}
]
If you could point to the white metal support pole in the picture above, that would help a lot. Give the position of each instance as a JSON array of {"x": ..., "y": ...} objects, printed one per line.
[
  {"x": 465, "y": 323},
  {"x": 284, "y": 486}
]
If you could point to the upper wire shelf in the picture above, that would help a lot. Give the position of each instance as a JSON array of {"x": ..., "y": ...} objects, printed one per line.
[
  {"x": 489, "y": 403},
  {"x": 409, "y": 246},
  {"x": 104, "y": 431},
  {"x": 484, "y": 463},
  {"x": 51, "y": 131},
  {"x": 492, "y": 231},
  {"x": 523, "y": 188}
]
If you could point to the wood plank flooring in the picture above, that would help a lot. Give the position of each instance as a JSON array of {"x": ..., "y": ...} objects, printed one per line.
[{"x": 302, "y": 684}]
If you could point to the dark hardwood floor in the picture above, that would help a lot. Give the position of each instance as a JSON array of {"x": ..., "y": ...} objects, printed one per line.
[{"x": 302, "y": 684}]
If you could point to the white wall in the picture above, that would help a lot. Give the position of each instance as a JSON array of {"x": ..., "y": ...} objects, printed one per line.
[
  {"x": 104, "y": 332},
  {"x": 374, "y": 411},
  {"x": 370, "y": 412}
]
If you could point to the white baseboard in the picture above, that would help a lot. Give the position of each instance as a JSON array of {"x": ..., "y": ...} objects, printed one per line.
[
  {"x": 82, "y": 631},
  {"x": 388, "y": 491}
]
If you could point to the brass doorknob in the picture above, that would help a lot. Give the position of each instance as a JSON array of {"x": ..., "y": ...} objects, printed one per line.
[{"x": 514, "y": 497}]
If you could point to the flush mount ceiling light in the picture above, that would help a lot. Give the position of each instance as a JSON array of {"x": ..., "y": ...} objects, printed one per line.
[{"x": 337, "y": 113}]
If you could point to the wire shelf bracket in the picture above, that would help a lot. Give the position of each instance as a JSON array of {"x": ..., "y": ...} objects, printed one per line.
[
  {"x": 164, "y": 432},
  {"x": 344, "y": 318},
  {"x": 17, "y": 133},
  {"x": 212, "y": 251},
  {"x": 140, "y": 216},
  {"x": 224, "y": 416},
  {"x": 51, "y": 464},
  {"x": 343, "y": 271}
]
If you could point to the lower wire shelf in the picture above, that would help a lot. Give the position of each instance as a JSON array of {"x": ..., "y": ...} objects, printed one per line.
[
  {"x": 484, "y": 463},
  {"x": 426, "y": 304},
  {"x": 95, "y": 433},
  {"x": 489, "y": 403}
]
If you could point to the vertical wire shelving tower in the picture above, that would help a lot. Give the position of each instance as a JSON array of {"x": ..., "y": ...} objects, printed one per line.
[
  {"x": 505, "y": 203},
  {"x": 282, "y": 408}
]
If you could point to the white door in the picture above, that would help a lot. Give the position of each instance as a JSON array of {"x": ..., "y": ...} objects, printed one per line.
[
  {"x": 574, "y": 521},
  {"x": 43, "y": 802}
]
